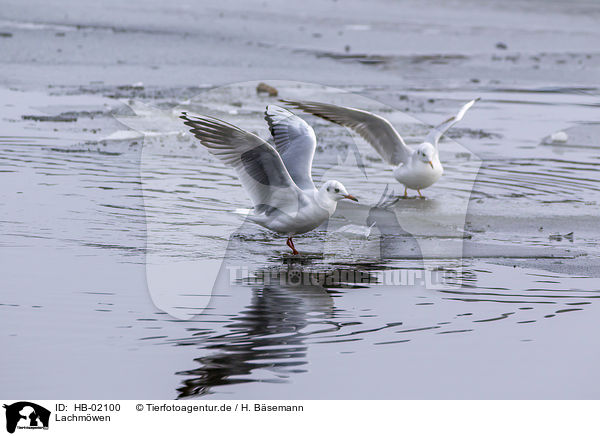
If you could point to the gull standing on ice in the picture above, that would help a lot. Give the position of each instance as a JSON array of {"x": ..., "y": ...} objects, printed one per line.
[
  {"x": 278, "y": 181},
  {"x": 415, "y": 168}
]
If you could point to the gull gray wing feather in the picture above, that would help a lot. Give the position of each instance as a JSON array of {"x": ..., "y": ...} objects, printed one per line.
[
  {"x": 258, "y": 165},
  {"x": 438, "y": 131},
  {"x": 374, "y": 129},
  {"x": 295, "y": 141}
]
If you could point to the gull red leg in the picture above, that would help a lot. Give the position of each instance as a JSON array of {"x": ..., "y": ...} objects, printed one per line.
[{"x": 290, "y": 243}]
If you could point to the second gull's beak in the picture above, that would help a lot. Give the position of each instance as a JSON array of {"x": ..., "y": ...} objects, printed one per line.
[
  {"x": 351, "y": 197},
  {"x": 430, "y": 163}
]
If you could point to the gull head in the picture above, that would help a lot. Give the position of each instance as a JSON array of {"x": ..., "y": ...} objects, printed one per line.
[
  {"x": 426, "y": 153},
  {"x": 335, "y": 191}
]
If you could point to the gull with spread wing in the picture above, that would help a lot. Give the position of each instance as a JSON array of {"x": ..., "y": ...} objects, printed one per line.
[
  {"x": 278, "y": 180},
  {"x": 415, "y": 168}
]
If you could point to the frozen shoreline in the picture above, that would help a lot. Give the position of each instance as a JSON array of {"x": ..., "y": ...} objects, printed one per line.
[{"x": 464, "y": 45}]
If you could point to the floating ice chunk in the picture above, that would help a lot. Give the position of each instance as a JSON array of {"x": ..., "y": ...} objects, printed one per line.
[
  {"x": 242, "y": 212},
  {"x": 123, "y": 135},
  {"x": 559, "y": 137}
]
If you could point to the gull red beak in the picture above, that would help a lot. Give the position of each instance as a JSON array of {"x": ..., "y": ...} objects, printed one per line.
[
  {"x": 430, "y": 163},
  {"x": 351, "y": 197}
]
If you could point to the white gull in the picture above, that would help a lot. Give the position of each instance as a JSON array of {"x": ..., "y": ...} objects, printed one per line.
[
  {"x": 415, "y": 168},
  {"x": 278, "y": 180}
]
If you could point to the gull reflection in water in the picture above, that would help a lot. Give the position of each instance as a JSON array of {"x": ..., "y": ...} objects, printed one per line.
[{"x": 286, "y": 307}]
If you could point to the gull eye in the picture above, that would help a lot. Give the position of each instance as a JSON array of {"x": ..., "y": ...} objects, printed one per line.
[{"x": 337, "y": 190}]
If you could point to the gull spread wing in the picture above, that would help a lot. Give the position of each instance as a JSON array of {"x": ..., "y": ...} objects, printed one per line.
[
  {"x": 436, "y": 133},
  {"x": 258, "y": 165},
  {"x": 374, "y": 129},
  {"x": 295, "y": 141}
]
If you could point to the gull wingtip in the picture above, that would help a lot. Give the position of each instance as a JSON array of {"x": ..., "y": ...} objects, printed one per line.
[{"x": 289, "y": 102}]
